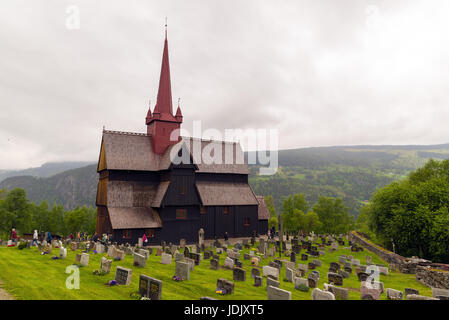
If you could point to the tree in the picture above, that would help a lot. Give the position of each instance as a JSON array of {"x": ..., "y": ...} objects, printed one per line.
[
  {"x": 293, "y": 210},
  {"x": 16, "y": 211},
  {"x": 312, "y": 222},
  {"x": 413, "y": 213},
  {"x": 333, "y": 215},
  {"x": 269, "y": 201}
]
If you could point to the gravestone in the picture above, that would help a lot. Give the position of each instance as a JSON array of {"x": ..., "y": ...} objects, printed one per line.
[
  {"x": 84, "y": 260},
  {"x": 300, "y": 282},
  {"x": 312, "y": 280},
  {"x": 311, "y": 266},
  {"x": 318, "y": 294},
  {"x": 119, "y": 254},
  {"x": 344, "y": 274},
  {"x": 367, "y": 293},
  {"x": 289, "y": 274},
  {"x": 166, "y": 258},
  {"x": 191, "y": 263},
  {"x": 317, "y": 262},
  {"x": 441, "y": 294},
  {"x": 226, "y": 286},
  {"x": 278, "y": 294},
  {"x": 214, "y": 264},
  {"x": 207, "y": 255},
  {"x": 304, "y": 257},
  {"x": 393, "y": 294},
  {"x": 179, "y": 256},
  {"x": 272, "y": 282},
  {"x": 62, "y": 253},
  {"x": 293, "y": 257},
  {"x": 123, "y": 276},
  {"x": 150, "y": 287},
  {"x": 106, "y": 265},
  {"x": 408, "y": 291},
  {"x": 255, "y": 272},
  {"x": 362, "y": 276},
  {"x": 139, "y": 260},
  {"x": 334, "y": 265},
  {"x": 239, "y": 274},
  {"x": 182, "y": 243},
  {"x": 339, "y": 293},
  {"x": 74, "y": 246},
  {"x": 258, "y": 280},
  {"x": 182, "y": 270},
  {"x": 267, "y": 270},
  {"x": 229, "y": 263},
  {"x": 335, "y": 278}
]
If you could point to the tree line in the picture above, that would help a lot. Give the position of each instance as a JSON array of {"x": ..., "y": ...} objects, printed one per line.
[
  {"x": 411, "y": 216},
  {"x": 16, "y": 211},
  {"x": 327, "y": 216}
]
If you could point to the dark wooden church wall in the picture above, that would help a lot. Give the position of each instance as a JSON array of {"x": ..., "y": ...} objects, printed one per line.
[
  {"x": 207, "y": 222},
  {"x": 263, "y": 227},
  {"x": 221, "y": 177},
  {"x": 182, "y": 191},
  {"x": 175, "y": 229},
  {"x": 135, "y": 234},
  {"x": 243, "y": 212}
]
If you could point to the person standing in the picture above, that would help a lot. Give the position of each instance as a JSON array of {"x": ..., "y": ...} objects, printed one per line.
[
  {"x": 14, "y": 236},
  {"x": 144, "y": 239},
  {"x": 226, "y": 236},
  {"x": 35, "y": 238}
]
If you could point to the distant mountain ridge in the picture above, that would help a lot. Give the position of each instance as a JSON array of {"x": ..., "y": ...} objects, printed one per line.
[
  {"x": 48, "y": 169},
  {"x": 352, "y": 173}
]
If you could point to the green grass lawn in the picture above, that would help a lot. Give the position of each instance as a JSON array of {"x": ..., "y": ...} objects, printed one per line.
[{"x": 31, "y": 276}]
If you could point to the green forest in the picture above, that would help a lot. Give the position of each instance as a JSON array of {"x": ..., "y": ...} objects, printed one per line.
[{"x": 16, "y": 211}]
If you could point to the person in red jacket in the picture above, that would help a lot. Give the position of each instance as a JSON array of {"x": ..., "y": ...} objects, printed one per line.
[{"x": 14, "y": 236}]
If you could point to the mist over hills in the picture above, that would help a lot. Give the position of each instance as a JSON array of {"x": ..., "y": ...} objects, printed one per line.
[{"x": 352, "y": 173}]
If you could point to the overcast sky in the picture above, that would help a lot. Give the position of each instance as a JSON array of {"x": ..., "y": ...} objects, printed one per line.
[{"x": 322, "y": 72}]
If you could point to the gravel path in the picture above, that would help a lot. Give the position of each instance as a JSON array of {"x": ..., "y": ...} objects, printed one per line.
[{"x": 3, "y": 294}]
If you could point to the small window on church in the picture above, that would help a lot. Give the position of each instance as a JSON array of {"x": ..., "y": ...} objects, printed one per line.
[
  {"x": 126, "y": 234},
  {"x": 150, "y": 233},
  {"x": 181, "y": 213},
  {"x": 225, "y": 210},
  {"x": 246, "y": 222},
  {"x": 203, "y": 210}
]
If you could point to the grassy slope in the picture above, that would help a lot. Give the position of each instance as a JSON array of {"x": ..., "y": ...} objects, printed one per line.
[{"x": 28, "y": 275}]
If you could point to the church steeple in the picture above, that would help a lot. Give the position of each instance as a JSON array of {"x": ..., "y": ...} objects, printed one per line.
[
  {"x": 164, "y": 98},
  {"x": 162, "y": 122}
]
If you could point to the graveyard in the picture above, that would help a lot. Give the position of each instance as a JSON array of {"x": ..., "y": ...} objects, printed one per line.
[{"x": 28, "y": 274}]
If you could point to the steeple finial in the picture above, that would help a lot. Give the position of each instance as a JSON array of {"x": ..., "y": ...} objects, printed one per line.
[{"x": 166, "y": 23}]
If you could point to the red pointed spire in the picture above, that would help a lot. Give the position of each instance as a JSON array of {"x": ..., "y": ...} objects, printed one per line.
[
  {"x": 164, "y": 99},
  {"x": 178, "y": 111}
]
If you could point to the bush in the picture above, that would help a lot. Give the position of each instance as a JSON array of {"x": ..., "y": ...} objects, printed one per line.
[{"x": 22, "y": 245}]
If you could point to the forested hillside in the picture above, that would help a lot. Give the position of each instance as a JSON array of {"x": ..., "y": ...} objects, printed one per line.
[{"x": 350, "y": 173}]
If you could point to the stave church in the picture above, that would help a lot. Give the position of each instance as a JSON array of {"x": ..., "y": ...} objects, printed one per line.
[{"x": 142, "y": 190}]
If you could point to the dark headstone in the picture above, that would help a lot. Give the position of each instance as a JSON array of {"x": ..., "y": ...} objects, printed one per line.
[
  {"x": 238, "y": 274},
  {"x": 150, "y": 287}
]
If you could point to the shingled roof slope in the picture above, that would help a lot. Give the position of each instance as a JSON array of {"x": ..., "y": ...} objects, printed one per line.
[
  {"x": 134, "y": 218},
  {"x": 225, "y": 194},
  {"x": 263, "y": 212},
  {"x": 133, "y": 151}
]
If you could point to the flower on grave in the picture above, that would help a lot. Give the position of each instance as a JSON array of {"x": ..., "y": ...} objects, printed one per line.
[
  {"x": 112, "y": 283},
  {"x": 55, "y": 257},
  {"x": 95, "y": 251}
]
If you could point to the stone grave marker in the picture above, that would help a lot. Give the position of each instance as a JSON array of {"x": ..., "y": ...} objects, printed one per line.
[
  {"x": 272, "y": 282},
  {"x": 258, "y": 280},
  {"x": 239, "y": 274},
  {"x": 84, "y": 260},
  {"x": 214, "y": 264},
  {"x": 226, "y": 286},
  {"x": 166, "y": 258},
  {"x": 318, "y": 294},
  {"x": 106, "y": 265},
  {"x": 393, "y": 294},
  {"x": 335, "y": 278},
  {"x": 267, "y": 270},
  {"x": 182, "y": 270},
  {"x": 150, "y": 287},
  {"x": 278, "y": 294},
  {"x": 123, "y": 275},
  {"x": 139, "y": 260}
]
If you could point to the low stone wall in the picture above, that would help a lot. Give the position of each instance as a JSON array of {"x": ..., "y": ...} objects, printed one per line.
[
  {"x": 435, "y": 275},
  {"x": 432, "y": 277},
  {"x": 388, "y": 256}
]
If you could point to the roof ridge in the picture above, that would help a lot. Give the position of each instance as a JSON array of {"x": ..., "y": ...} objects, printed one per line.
[{"x": 126, "y": 133}]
